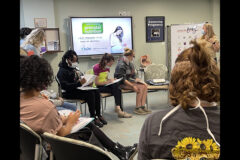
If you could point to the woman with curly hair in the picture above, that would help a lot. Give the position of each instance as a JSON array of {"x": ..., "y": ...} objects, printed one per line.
[
  {"x": 101, "y": 70},
  {"x": 192, "y": 125},
  {"x": 41, "y": 115}
]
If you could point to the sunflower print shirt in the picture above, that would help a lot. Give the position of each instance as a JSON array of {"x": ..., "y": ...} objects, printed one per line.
[{"x": 191, "y": 148}]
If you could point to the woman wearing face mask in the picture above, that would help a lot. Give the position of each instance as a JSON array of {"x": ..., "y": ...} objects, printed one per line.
[
  {"x": 190, "y": 129},
  {"x": 125, "y": 69},
  {"x": 116, "y": 40},
  {"x": 70, "y": 78},
  {"x": 34, "y": 41},
  {"x": 211, "y": 38},
  {"x": 101, "y": 70}
]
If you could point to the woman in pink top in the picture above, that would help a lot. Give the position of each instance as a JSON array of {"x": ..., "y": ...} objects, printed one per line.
[
  {"x": 42, "y": 116},
  {"x": 101, "y": 70}
]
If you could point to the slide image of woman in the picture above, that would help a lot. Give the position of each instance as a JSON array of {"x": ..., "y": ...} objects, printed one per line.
[{"x": 116, "y": 40}]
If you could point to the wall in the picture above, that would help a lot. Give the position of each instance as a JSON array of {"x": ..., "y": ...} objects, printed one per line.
[
  {"x": 31, "y": 9},
  {"x": 175, "y": 12}
]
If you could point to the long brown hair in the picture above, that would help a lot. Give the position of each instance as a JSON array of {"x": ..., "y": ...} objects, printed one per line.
[
  {"x": 197, "y": 77},
  {"x": 105, "y": 59},
  {"x": 210, "y": 31}
]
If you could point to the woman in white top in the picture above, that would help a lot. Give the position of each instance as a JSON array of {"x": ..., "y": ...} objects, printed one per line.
[
  {"x": 34, "y": 41},
  {"x": 116, "y": 40}
]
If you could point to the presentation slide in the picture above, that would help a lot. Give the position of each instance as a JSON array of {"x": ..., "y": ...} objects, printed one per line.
[{"x": 95, "y": 36}]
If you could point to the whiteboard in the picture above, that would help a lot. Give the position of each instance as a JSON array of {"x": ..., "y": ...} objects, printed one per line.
[{"x": 179, "y": 37}]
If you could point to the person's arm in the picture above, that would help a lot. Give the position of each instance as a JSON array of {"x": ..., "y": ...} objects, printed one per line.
[
  {"x": 63, "y": 77},
  {"x": 70, "y": 122},
  {"x": 134, "y": 88},
  {"x": 120, "y": 72},
  {"x": 102, "y": 83},
  {"x": 215, "y": 44}
]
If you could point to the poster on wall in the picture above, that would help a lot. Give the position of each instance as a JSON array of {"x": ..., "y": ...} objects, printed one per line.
[
  {"x": 40, "y": 22},
  {"x": 155, "y": 28}
]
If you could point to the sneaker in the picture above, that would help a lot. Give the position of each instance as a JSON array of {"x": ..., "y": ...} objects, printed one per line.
[
  {"x": 139, "y": 111},
  {"x": 102, "y": 120},
  {"x": 146, "y": 110},
  {"x": 122, "y": 114},
  {"x": 98, "y": 123}
]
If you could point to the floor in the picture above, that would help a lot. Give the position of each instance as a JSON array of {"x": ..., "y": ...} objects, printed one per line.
[{"x": 127, "y": 130}]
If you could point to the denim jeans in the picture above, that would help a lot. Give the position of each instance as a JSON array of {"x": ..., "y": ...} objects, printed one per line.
[{"x": 67, "y": 105}]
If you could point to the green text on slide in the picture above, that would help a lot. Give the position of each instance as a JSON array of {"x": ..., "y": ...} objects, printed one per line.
[{"x": 92, "y": 28}]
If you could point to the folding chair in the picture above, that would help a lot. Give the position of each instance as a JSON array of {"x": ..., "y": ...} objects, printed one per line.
[
  {"x": 63, "y": 148},
  {"x": 76, "y": 101},
  {"x": 30, "y": 144}
]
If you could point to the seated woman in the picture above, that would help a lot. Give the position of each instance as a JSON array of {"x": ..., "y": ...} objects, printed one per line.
[
  {"x": 34, "y": 41},
  {"x": 70, "y": 78},
  {"x": 190, "y": 129},
  {"x": 42, "y": 116},
  {"x": 125, "y": 70},
  {"x": 101, "y": 70}
]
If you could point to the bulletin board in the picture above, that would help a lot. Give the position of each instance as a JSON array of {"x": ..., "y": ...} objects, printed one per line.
[{"x": 178, "y": 38}]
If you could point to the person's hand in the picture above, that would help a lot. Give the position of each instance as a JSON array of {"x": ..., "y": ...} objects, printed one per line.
[
  {"x": 90, "y": 84},
  {"x": 135, "y": 89},
  {"x": 64, "y": 119},
  {"x": 60, "y": 98},
  {"x": 73, "y": 117},
  {"x": 82, "y": 81},
  {"x": 206, "y": 37},
  {"x": 110, "y": 81},
  {"x": 211, "y": 40},
  {"x": 137, "y": 80}
]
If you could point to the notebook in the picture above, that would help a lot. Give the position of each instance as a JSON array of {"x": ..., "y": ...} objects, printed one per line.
[{"x": 82, "y": 121}]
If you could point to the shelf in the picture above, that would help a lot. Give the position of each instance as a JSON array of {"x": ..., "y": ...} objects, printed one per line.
[{"x": 53, "y": 51}]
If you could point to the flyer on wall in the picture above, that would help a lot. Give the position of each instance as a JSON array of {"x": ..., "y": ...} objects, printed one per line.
[{"x": 155, "y": 28}]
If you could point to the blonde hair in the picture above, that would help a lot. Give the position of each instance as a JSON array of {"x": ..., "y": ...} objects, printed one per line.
[
  {"x": 128, "y": 52},
  {"x": 195, "y": 76},
  {"x": 35, "y": 38},
  {"x": 210, "y": 33},
  {"x": 23, "y": 52}
]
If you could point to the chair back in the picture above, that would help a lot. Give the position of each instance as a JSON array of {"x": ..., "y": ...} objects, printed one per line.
[
  {"x": 70, "y": 149},
  {"x": 30, "y": 143},
  {"x": 59, "y": 87},
  {"x": 155, "y": 71}
]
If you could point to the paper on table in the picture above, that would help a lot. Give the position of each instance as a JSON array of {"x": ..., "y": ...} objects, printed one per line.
[
  {"x": 115, "y": 81},
  {"x": 82, "y": 121}
]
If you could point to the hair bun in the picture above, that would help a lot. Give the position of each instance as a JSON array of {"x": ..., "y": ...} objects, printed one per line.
[{"x": 126, "y": 49}]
